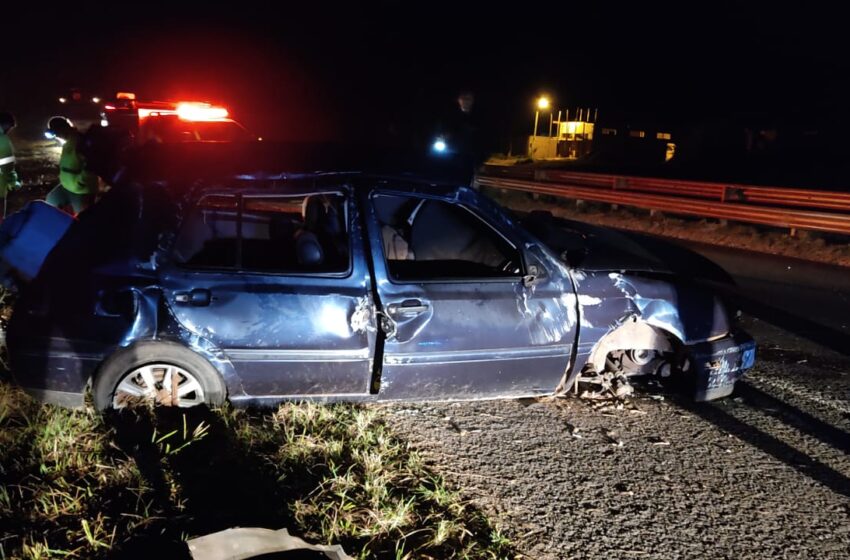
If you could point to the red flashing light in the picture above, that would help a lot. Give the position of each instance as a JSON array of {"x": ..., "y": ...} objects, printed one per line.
[
  {"x": 184, "y": 110},
  {"x": 193, "y": 111}
]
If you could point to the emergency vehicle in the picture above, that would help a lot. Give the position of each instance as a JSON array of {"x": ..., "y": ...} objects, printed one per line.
[
  {"x": 172, "y": 122},
  {"x": 80, "y": 108}
]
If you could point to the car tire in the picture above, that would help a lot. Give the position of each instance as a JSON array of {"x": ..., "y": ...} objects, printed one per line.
[{"x": 126, "y": 361}]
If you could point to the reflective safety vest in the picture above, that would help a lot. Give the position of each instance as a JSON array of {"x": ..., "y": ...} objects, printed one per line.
[
  {"x": 73, "y": 174},
  {"x": 8, "y": 175}
]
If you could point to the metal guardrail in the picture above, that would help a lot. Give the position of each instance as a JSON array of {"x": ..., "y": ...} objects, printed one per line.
[
  {"x": 706, "y": 200},
  {"x": 723, "y": 192}
]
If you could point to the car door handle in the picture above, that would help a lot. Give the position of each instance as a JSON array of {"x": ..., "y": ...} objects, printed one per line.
[
  {"x": 198, "y": 297},
  {"x": 407, "y": 307}
]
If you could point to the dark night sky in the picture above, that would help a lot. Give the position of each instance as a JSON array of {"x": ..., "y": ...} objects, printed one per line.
[{"x": 325, "y": 70}]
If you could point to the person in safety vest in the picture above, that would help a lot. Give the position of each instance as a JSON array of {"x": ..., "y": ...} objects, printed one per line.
[
  {"x": 8, "y": 176},
  {"x": 77, "y": 185}
]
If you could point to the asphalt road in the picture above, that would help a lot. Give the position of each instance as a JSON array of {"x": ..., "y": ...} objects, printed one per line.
[
  {"x": 763, "y": 474},
  {"x": 809, "y": 299}
]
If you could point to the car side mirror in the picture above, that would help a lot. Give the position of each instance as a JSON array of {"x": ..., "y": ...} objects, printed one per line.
[{"x": 531, "y": 278}]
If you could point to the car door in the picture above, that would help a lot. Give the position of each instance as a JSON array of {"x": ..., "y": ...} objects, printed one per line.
[
  {"x": 284, "y": 298},
  {"x": 461, "y": 321}
]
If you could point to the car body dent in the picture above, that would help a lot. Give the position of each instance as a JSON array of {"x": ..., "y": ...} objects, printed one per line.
[
  {"x": 274, "y": 336},
  {"x": 643, "y": 307}
]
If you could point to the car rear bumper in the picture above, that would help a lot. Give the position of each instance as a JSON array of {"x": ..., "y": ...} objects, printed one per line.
[{"x": 718, "y": 364}]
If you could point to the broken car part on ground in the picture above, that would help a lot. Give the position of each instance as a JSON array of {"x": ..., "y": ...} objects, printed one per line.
[{"x": 259, "y": 282}]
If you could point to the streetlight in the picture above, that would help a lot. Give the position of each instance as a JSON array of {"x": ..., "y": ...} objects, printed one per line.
[{"x": 542, "y": 105}]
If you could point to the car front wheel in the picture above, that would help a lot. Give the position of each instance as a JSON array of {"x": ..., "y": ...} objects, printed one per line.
[{"x": 160, "y": 373}]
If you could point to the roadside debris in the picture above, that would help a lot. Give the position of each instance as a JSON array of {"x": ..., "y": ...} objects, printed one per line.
[
  {"x": 611, "y": 385},
  {"x": 573, "y": 431},
  {"x": 614, "y": 438},
  {"x": 253, "y": 542}
]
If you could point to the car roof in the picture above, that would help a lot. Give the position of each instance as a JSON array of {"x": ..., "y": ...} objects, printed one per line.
[{"x": 260, "y": 166}]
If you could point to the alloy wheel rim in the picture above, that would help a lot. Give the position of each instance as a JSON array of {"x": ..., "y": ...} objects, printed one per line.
[{"x": 161, "y": 384}]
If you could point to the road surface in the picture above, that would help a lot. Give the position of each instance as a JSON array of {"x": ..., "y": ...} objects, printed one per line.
[{"x": 764, "y": 474}]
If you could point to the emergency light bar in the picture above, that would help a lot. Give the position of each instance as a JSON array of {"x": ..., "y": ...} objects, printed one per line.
[
  {"x": 192, "y": 111},
  {"x": 187, "y": 111}
]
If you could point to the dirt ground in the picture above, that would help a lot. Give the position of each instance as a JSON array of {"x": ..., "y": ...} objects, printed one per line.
[{"x": 765, "y": 474}]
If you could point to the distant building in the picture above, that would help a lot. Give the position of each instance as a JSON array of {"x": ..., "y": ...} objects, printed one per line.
[
  {"x": 583, "y": 136},
  {"x": 645, "y": 143},
  {"x": 567, "y": 138}
]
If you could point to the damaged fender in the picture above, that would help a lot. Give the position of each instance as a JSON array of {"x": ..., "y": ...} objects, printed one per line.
[{"x": 632, "y": 335}]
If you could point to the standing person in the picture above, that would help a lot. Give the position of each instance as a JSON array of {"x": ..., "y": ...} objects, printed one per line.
[
  {"x": 462, "y": 136},
  {"x": 77, "y": 185},
  {"x": 8, "y": 176}
]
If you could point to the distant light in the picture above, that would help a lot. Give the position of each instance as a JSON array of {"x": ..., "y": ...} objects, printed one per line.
[
  {"x": 192, "y": 111},
  {"x": 104, "y": 122},
  {"x": 259, "y": 138},
  {"x": 125, "y": 95},
  {"x": 109, "y": 107},
  {"x": 95, "y": 99},
  {"x": 50, "y": 136},
  {"x": 439, "y": 146},
  {"x": 670, "y": 152},
  {"x": 543, "y": 103},
  {"x": 62, "y": 100}
]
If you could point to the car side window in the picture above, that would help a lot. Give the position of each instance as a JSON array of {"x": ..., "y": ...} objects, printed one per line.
[
  {"x": 428, "y": 239},
  {"x": 290, "y": 234}
]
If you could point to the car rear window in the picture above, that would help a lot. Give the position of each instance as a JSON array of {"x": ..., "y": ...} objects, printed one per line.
[{"x": 289, "y": 234}]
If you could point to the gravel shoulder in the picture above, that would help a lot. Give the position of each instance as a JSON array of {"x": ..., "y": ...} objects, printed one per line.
[{"x": 765, "y": 474}]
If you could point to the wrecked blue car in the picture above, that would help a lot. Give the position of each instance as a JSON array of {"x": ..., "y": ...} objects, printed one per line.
[{"x": 260, "y": 286}]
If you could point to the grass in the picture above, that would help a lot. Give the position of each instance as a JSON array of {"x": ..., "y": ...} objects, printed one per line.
[{"x": 74, "y": 484}]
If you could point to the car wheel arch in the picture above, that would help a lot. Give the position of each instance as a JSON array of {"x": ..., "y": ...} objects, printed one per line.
[
  {"x": 138, "y": 352},
  {"x": 632, "y": 334}
]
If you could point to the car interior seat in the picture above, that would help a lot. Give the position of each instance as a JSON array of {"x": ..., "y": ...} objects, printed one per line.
[
  {"x": 308, "y": 247},
  {"x": 333, "y": 234},
  {"x": 444, "y": 232},
  {"x": 393, "y": 213}
]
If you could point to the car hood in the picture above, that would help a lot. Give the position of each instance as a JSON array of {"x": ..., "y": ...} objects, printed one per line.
[{"x": 602, "y": 249}]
